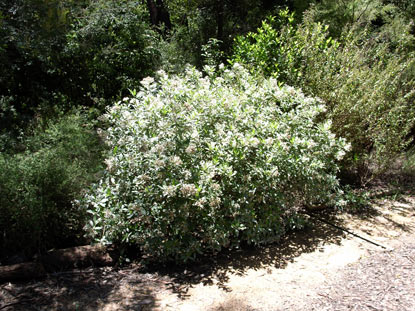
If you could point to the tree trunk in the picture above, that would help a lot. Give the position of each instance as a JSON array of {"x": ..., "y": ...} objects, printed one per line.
[
  {"x": 158, "y": 13},
  {"x": 219, "y": 19}
]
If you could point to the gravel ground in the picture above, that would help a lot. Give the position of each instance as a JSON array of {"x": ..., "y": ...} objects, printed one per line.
[{"x": 385, "y": 280}]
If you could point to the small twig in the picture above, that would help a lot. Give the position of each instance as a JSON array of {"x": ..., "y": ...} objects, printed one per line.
[
  {"x": 384, "y": 292},
  {"x": 14, "y": 303},
  {"x": 8, "y": 305},
  {"x": 361, "y": 14},
  {"x": 409, "y": 258},
  {"x": 325, "y": 296},
  {"x": 71, "y": 272},
  {"x": 373, "y": 307}
]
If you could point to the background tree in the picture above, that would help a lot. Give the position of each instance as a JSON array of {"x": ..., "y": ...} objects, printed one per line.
[
  {"x": 111, "y": 47},
  {"x": 158, "y": 13}
]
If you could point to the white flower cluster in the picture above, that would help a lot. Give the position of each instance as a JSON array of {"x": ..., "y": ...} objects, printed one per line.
[{"x": 223, "y": 156}]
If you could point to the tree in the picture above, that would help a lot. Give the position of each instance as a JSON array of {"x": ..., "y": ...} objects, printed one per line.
[
  {"x": 159, "y": 15},
  {"x": 32, "y": 38}
]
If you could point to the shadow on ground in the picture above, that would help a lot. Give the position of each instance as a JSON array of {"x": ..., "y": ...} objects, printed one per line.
[
  {"x": 135, "y": 288},
  {"x": 89, "y": 289},
  {"x": 391, "y": 196},
  {"x": 218, "y": 268},
  {"x": 395, "y": 192}
]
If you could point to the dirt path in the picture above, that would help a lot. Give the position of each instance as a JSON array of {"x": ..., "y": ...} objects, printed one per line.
[{"x": 318, "y": 268}]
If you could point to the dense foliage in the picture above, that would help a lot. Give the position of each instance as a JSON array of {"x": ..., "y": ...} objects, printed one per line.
[
  {"x": 366, "y": 79},
  {"x": 58, "y": 54},
  {"x": 61, "y": 56},
  {"x": 200, "y": 163},
  {"x": 198, "y": 21},
  {"x": 31, "y": 37},
  {"x": 38, "y": 184},
  {"x": 113, "y": 47}
]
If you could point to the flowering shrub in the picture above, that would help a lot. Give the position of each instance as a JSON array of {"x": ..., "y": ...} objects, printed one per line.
[{"x": 200, "y": 163}]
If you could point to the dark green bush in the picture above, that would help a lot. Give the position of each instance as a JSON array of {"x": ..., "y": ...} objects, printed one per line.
[
  {"x": 57, "y": 54},
  {"x": 113, "y": 47},
  {"x": 37, "y": 185},
  {"x": 32, "y": 38}
]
